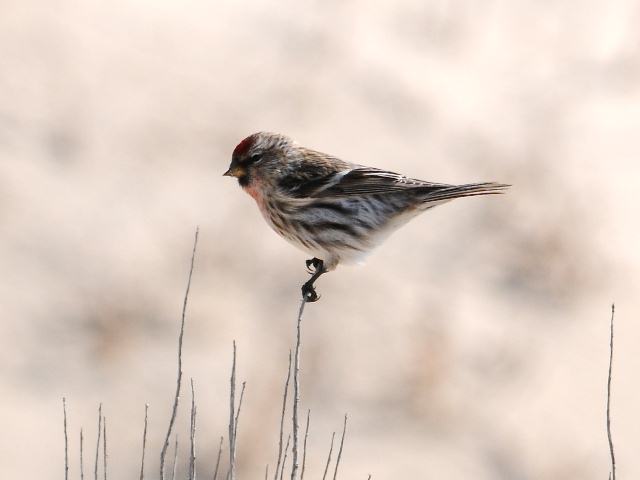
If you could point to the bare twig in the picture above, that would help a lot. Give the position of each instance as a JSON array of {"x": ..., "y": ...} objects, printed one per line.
[
  {"x": 612, "y": 474},
  {"x": 192, "y": 436},
  {"x": 104, "y": 446},
  {"x": 66, "y": 440},
  {"x": 95, "y": 467},
  {"x": 235, "y": 428},
  {"x": 344, "y": 430},
  {"x": 304, "y": 447},
  {"x": 266, "y": 472},
  {"x": 284, "y": 408},
  {"x": 232, "y": 428},
  {"x": 144, "y": 439},
  {"x": 296, "y": 393},
  {"x": 176, "y": 398},
  {"x": 81, "y": 456},
  {"x": 175, "y": 459},
  {"x": 284, "y": 460},
  {"x": 195, "y": 413},
  {"x": 215, "y": 473},
  {"x": 326, "y": 468}
]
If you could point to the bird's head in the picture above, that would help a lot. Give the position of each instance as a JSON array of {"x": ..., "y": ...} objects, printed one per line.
[{"x": 258, "y": 155}]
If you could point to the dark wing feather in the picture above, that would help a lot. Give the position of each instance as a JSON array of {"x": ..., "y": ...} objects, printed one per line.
[
  {"x": 306, "y": 185},
  {"x": 344, "y": 180},
  {"x": 318, "y": 172},
  {"x": 340, "y": 180},
  {"x": 371, "y": 181}
]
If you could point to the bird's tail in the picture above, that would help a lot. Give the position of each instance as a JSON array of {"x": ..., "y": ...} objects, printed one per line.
[{"x": 449, "y": 192}]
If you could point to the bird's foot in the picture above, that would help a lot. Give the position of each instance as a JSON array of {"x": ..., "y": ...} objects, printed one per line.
[
  {"x": 315, "y": 263},
  {"x": 309, "y": 293}
]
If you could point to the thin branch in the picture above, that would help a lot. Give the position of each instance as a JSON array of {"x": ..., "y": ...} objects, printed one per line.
[
  {"x": 284, "y": 460},
  {"x": 266, "y": 472},
  {"x": 344, "y": 430},
  {"x": 104, "y": 446},
  {"x": 175, "y": 459},
  {"x": 235, "y": 428},
  {"x": 215, "y": 473},
  {"x": 81, "y": 456},
  {"x": 612, "y": 474},
  {"x": 304, "y": 447},
  {"x": 66, "y": 440},
  {"x": 284, "y": 407},
  {"x": 195, "y": 414},
  {"x": 192, "y": 436},
  {"x": 179, "y": 379},
  {"x": 296, "y": 394},
  {"x": 95, "y": 467},
  {"x": 232, "y": 428},
  {"x": 326, "y": 468},
  {"x": 144, "y": 439}
]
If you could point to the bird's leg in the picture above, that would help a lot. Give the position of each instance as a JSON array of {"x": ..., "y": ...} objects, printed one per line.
[
  {"x": 313, "y": 262},
  {"x": 308, "y": 291}
]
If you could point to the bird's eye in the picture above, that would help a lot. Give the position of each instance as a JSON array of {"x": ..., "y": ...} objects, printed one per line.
[{"x": 255, "y": 158}]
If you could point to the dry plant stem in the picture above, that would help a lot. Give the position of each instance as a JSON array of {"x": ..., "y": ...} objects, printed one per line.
[
  {"x": 234, "y": 415},
  {"x": 193, "y": 456},
  {"x": 284, "y": 408},
  {"x": 144, "y": 439},
  {"x": 612, "y": 474},
  {"x": 266, "y": 472},
  {"x": 175, "y": 459},
  {"x": 304, "y": 446},
  {"x": 344, "y": 430},
  {"x": 95, "y": 467},
  {"x": 326, "y": 468},
  {"x": 284, "y": 460},
  {"x": 104, "y": 446},
  {"x": 176, "y": 398},
  {"x": 296, "y": 394},
  {"x": 192, "y": 436},
  {"x": 81, "y": 456},
  {"x": 215, "y": 473},
  {"x": 235, "y": 427},
  {"x": 66, "y": 440},
  {"x": 232, "y": 407}
]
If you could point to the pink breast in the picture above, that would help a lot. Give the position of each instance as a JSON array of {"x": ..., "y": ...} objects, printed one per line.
[{"x": 256, "y": 193}]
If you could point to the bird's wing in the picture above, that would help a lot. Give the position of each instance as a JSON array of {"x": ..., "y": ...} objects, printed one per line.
[
  {"x": 369, "y": 181},
  {"x": 350, "y": 180}
]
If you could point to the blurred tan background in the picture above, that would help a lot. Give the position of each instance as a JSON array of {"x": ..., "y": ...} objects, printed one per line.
[{"x": 474, "y": 344}]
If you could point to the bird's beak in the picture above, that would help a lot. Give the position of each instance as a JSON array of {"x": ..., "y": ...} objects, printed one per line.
[{"x": 234, "y": 171}]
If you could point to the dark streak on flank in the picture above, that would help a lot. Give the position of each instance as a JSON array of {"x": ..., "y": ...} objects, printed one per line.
[
  {"x": 277, "y": 222},
  {"x": 365, "y": 224},
  {"x": 334, "y": 207},
  {"x": 303, "y": 241},
  {"x": 282, "y": 207},
  {"x": 330, "y": 245},
  {"x": 318, "y": 228}
]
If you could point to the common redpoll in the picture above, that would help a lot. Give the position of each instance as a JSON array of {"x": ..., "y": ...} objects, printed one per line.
[{"x": 334, "y": 210}]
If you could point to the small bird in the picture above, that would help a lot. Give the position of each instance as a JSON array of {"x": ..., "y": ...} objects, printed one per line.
[{"x": 334, "y": 210}]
